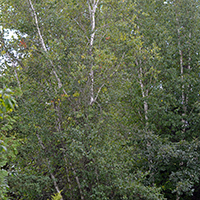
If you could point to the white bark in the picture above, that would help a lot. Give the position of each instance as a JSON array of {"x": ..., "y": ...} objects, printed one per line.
[
  {"x": 49, "y": 168},
  {"x": 67, "y": 172},
  {"x": 92, "y": 5},
  {"x": 75, "y": 175},
  {"x": 177, "y": 196},
  {"x": 189, "y": 66},
  {"x": 43, "y": 44},
  {"x": 57, "y": 108},
  {"x": 182, "y": 78},
  {"x": 77, "y": 181},
  {"x": 144, "y": 93}
]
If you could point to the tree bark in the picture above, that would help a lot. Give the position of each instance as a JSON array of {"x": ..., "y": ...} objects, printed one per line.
[
  {"x": 144, "y": 93},
  {"x": 43, "y": 44},
  {"x": 49, "y": 168},
  {"x": 92, "y": 5},
  {"x": 182, "y": 78}
]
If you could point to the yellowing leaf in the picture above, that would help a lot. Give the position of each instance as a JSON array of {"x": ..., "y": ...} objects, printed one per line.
[
  {"x": 3, "y": 52},
  {"x": 104, "y": 89},
  {"x": 76, "y": 94}
]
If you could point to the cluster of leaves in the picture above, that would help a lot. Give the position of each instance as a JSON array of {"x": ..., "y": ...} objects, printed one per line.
[
  {"x": 110, "y": 99},
  {"x": 8, "y": 143}
]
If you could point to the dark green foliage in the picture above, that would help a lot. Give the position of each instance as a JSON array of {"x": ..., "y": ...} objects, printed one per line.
[{"x": 116, "y": 117}]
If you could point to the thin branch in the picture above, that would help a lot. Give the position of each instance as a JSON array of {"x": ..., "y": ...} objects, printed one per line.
[
  {"x": 82, "y": 28},
  {"x": 97, "y": 3},
  {"x": 97, "y": 94},
  {"x": 75, "y": 175},
  {"x": 182, "y": 79},
  {"x": 142, "y": 90},
  {"x": 77, "y": 181},
  {"x": 68, "y": 179},
  {"x": 49, "y": 168},
  {"x": 99, "y": 90},
  {"x": 89, "y": 8}
]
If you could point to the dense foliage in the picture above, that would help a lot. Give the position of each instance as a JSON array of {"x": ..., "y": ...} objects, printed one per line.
[{"x": 108, "y": 99}]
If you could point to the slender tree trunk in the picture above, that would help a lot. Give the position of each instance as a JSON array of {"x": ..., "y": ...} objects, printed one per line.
[
  {"x": 77, "y": 181},
  {"x": 144, "y": 93},
  {"x": 92, "y": 10},
  {"x": 182, "y": 78},
  {"x": 74, "y": 172},
  {"x": 49, "y": 167},
  {"x": 189, "y": 66},
  {"x": 189, "y": 60},
  {"x": 43, "y": 44},
  {"x": 177, "y": 196},
  {"x": 68, "y": 178},
  {"x": 59, "y": 122}
]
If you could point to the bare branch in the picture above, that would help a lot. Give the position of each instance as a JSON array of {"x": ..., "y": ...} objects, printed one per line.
[{"x": 94, "y": 100}]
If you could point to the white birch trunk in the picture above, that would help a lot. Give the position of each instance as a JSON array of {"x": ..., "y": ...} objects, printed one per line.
[
  {"x": 43, "y": 44},
  {"x": 189, "y": 67},
  {"x": 92, "y": 10},
  {"x": 144, "y": 93},
  {"x": 182, "y": 78}
]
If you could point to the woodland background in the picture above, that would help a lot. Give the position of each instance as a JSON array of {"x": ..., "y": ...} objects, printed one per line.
[{"x": 100, "y": 99}]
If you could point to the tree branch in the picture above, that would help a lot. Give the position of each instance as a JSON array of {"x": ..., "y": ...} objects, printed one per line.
[
  {"x": 49, "y": 168},
  {"x": 43, "y": 45}
]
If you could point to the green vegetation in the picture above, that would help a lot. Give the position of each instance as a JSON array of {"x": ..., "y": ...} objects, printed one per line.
[{"x": 100, "y": 100}]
